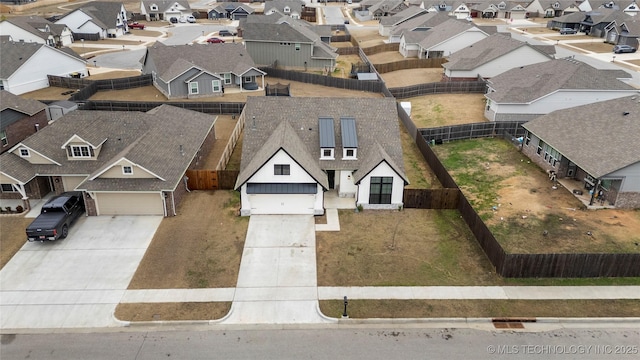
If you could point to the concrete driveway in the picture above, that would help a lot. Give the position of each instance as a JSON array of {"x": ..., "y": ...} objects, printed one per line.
[{"x": 78, "y": 281}]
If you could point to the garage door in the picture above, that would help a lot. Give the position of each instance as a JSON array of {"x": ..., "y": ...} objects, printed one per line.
[
  {"x": 282, "y": 204},
  {"x": 129, "y": 204}
]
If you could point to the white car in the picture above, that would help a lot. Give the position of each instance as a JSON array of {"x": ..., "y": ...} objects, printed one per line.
[{"x": 191, "y": 19}]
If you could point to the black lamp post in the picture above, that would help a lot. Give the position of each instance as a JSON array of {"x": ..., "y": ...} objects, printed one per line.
[{"x": 344, "y": 314}]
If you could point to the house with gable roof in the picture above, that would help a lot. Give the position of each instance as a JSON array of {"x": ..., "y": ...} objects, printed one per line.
[
  {"x": 101, "y": 19},
  {"x": 597, "y": 154},
  {"x": 230, "y": 10},
  {"x": 19, "y": 118},
  {"x": 291, "y": 8},
  {"x": 295, "y": 149},
  {"x": 443, "y": 39},
  {"x": 37, "y": 30},
  {"x": 290, "y": 44},
  {"x": 492, "y": 56},
  {"x": 389, "y": 22},
  {"x": 124, "y": 162},
  {"x": 156, "y": 10},
  {"x": 628, "y": 6},
  {"x": 200, "y": 70},
  {"x": 25, "y": 66},
  {"x": 454, "y": 8},
  {"x": 595, "y": 22},
  {"x": 524, "y": 93},
  {"x": 418, "y": 24},
  {"x": 552, "y": 8}
]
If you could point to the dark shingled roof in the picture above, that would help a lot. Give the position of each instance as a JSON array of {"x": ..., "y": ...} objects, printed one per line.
[
  {"x": 528, "y": 83},
  {"x": 33, "y": 24},
  {"x": 104, "y": 13},
  {"x": 445, "y": 31},
  {"x": 597, "y": 137},
  {"x": 174, "y": 60},
  {"x": 14, "y": 55},
  {"x": 291, "y": 124},
  {"x": 14, "y": 102},
  {"x": 484, "y": 51},
  {"x": 139, "y": 137}
]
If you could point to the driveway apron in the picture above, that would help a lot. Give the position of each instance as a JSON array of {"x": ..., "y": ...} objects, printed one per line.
[
  {"x": 78, "y": 281},
  {"x": 277, "y": 282}
]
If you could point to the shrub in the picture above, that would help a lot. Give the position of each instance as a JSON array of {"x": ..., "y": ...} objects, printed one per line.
[{"x": 19, "y": 209}]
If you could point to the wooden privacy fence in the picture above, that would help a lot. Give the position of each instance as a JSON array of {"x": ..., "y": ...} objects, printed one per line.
[
  {"x": 340, "y": 83},
  {"x": 231, "y": 144},
  {"x": 203, "y": 107},
  {"x": 409, "y": 64},
  {"x": 478, "y": 87},
  {"x": 88, "y": 88},
  {"x": 431, "y": 198},
  {"x": 211, "y": 179},
  {"x": 381, "y": 48},
  {"x": 526, "y": 265},
  {"x": 472, "y": 131}
]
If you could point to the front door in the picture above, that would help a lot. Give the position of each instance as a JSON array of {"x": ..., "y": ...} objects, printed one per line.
[{"x": 331, "y": 175}]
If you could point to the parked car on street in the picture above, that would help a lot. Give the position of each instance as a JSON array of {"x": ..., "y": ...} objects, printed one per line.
[
  {"x": 618, "y": 49},
  {"x": 136, "y": 25},
  {"x": 215, "y": 40},
  {"x": 56, "y": 217},
  {"x": 565, "y": 31},
  {"x": 226, "y": 33}
]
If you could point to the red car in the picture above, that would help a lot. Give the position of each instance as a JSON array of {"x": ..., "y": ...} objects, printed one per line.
[
  {"x": 215, "y": 40},
  {"x": 136, "y": 25}
]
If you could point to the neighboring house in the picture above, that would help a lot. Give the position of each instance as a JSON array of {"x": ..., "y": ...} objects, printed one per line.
[
  {"x": 291, "y": 8},
  {"x": 422, "y": 22},
  {"x": 447, "y": 38},
  {"x": 524, "y": 93},
  {"x": 19, "y": 118},
  {"x": 593, "y": 144},
  {"x": 381, "y": 8},
  {"x": 292, "y": 45},
  {"x": 230, "y": 10},
  {"x": 97, "y": 20},
  {"x": 37, "y": 30},
  {"x": 552, "y": 8},
  {"x": 156, "y": 10},
  {"x": 571, "y": 20},
  {"x": 125, "y": 162},
  {"x": 294, "y": 149},
  {"x": 457, "y": 9},
  {"x": 596, "y": 21},
  {"x": 623, "y": 32},
  {"x": 57, "y": 109},
  {"x": 389, "y": 22},
  {"x": 25, "y": 66},
  {"x": 628, "y": 6},
  {"x": 492, "y": 56},
  {"x": 200, "y": 70}
]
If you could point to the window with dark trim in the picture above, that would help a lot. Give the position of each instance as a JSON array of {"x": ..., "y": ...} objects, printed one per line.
[
  {"x": 24, "y": 152},
  {"x": 127, "y": 170},
  {"x": 80, "y": 151},
  {"x": 3, "y": 138},
  {"x": 380, "y": 190},
  {"x": 7, "y": 188},
  {"x": 281, "y": 169}
]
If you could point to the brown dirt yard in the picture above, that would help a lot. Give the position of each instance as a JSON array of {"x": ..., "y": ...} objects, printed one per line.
[
  {"x": 446, "y": 109},
  {"x": 518, "y": 202},
  {"x": 408, "y": 77}
]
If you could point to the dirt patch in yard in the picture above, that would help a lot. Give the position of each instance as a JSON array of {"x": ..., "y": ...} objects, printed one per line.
[
  {"x": 12, "y": 236},
  {"x": 447, "y": 109},
  {"x": 97, "y": 75},
  {"x": 224, "y": 127},
  {"x": 595, "y": 46},
  {"x": 366, "y": 36},
  {"x": 386, "y": 57},
  {"x": 408, "y": 77},
  {"x": 199, "y": 248},
  {"x": 172, "y": 311},
  {"x": 415, "y": 167},
  {"x": 518, "y": 202}
]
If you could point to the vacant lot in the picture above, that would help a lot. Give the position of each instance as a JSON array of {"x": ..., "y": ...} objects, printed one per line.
[
  {"x": 366, "y": 36},
  {"x": 199, "y": 248},
  {"x": 446, "y": 109},
  {"x": 518, "y": 203}
]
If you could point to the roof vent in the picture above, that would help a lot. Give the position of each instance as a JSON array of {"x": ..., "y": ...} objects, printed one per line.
[
  {"x": 253, "y": 124},
  {"x": 625, "y": 113}
]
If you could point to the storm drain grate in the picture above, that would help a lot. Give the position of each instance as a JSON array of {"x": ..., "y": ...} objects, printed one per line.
[{"x": 511, "y": 323}]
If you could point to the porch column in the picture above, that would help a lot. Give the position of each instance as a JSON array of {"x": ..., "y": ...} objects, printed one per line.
[{"x": 25, "y": 200}]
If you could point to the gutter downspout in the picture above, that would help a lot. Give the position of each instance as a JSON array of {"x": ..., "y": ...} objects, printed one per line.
[
  {"x": 173, "y": 203},
  {"x": 164, "y": 204}
]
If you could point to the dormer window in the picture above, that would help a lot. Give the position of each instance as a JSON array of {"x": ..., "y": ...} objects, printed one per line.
[
  {"x": 349, "y": 138},
  {"x": 24, "y": 152},
  {"x": 327, "y": 154},
  {"x": 556, "y": 5},
  {"x": 287, "y": 9},
  {"x": 153, "y": 7},
  {"x": 80, "y": 151},
  {"x": 501, "y": 6},
  {"x": 327, "y": 138},
  {"x": 127, "y": 170}
]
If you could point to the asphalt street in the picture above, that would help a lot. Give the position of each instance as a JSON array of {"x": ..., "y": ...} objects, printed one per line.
[{"x": 343, "y": 343}]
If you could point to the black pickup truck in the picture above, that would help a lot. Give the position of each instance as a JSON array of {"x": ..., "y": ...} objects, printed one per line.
[{"x": 56, "y": 217}]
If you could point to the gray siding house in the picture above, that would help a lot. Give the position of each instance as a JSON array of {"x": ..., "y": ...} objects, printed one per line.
[
  {"x": 200, "y": 70},
  {"x": 288, "y": 45},
  {"x": 599, "y": 153}
]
